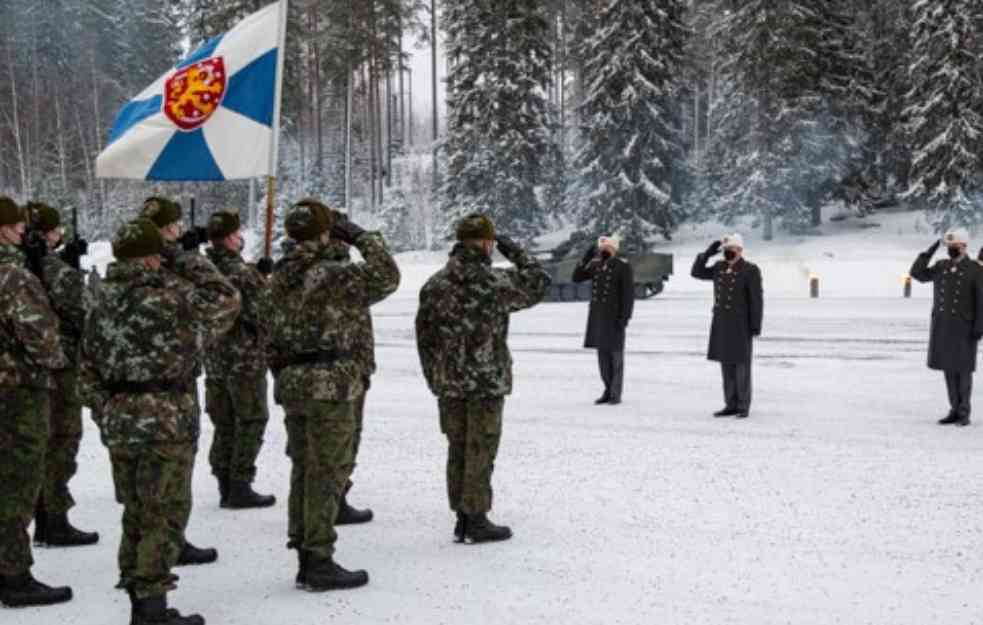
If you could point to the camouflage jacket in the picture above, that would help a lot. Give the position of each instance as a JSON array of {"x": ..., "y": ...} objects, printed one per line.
[
  {"x": 241, "y": 353},
  {"x": 318, "y": 328},
  {"x": 66, "y": 291},
  {"x": 178, "y": 272},
  {"x": 365, "y": 354},
  {"x": 150, "y": 327},
  {"x": 29, "y": 345},
  {"x": 462, "y": 324}
]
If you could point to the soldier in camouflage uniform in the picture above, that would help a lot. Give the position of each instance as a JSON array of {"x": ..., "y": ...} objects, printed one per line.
[
  {"x": 235, "y": 368},
  {"x": 65, "y": 283},
  {"x": 178, "y": 243},
  {"x": 461, "y": 334},
  {"x": 140, "y": 341},
  {"x": 320, "y": 297},
  {"x": 29, "y": 354},
  {"x": 347, "y": 514}
]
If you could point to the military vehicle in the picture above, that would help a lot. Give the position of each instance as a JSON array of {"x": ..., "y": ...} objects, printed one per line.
[{"x": 651, "y": 271}]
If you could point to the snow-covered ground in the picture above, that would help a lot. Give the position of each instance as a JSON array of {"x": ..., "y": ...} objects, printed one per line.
[{"x": 838, "y": 501}]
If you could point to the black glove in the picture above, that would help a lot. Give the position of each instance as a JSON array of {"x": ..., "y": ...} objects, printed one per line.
[
  {"x": 935, "y": 246},
  {"x": 509, "y": 248},
  {"x": 265, "y": 265},
  {"x": 346, "y": 231},
  {"x": 590, "y": 253},
  {"x": 73, "y": 252},
  {"x": 712, "y": 249},
  {"x": 35, "y": 248},
  {"x": 194, "y": 237}
]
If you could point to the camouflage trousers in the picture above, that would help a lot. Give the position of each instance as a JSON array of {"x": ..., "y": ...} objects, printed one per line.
[
  {"x": 63, "y": 444},
  {"x": 358, "y": 407},
  {"x": 239, "y": 413},
  {"x": 23, "y": 438},
  {"x": 320, "y": 444},
  {"x": 473, "y": 428},
  {"x": 153, "y": 484}
]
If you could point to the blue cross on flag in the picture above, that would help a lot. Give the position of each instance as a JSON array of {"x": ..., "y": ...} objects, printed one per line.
[{"x": 214, "y": 116}]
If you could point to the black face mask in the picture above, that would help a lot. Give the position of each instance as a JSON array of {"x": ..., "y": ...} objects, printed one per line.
[
  {"x": 730, "y": 255},
  {"x": 605, "y": 254},
  {"x": 954, "y": 252}
]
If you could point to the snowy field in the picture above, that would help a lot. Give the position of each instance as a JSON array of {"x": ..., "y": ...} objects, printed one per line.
[{"x": 838, "y": 501}]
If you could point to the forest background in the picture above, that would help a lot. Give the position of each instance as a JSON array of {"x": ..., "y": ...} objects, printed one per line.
[{"x": 587, "y": 116}]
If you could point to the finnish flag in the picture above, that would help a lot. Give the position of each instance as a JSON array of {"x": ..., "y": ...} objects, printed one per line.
[{"x": 215, "y": 116}]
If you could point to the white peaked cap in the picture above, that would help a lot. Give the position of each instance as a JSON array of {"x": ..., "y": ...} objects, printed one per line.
[
  {"x": 611, "y": 241},
  {"x": 956, "y": 235},
  {"x": 732, "y": 240}
]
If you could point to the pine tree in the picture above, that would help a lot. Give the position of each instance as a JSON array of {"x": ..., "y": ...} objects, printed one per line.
[
  {"x": 779, "y": 139},
  {"x": 944, "y": 109},
  {"x": 500, "y": 143},
  {"x": 633, "y": 149}
]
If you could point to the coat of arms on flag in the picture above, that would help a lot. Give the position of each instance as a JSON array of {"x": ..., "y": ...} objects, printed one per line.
[
  {"x": 194, "y": 93},
  {"x": 214, "y": 116}
]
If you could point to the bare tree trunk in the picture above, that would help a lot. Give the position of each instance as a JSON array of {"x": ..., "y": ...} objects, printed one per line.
[
  {"x": 62, "y": 150},
  {"x": 317, "y": 95},
  {"x": 433, "y": 75},
  {"x": 370, "y": 124},
  {"x": 410, "y": 106},
  {"x": 390, "y": 113},
  {"x": 15, "y": 123},
  {"x": 402, "y": 92}
]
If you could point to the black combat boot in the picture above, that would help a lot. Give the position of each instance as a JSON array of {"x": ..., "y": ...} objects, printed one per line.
[
  {"x": 193, "y": 555},
  {"x": 348, "y": 515},
  {"x": 40, "y": 524},
  {"x": 478, "y": 529},
  {"x": 154, "y": 611},
  {"x": 300, "y": 582},
  {"x": 60, "y": 533},
  {"x": 603, "y": 399},
  {"x": 325, "y": 575},
  {"x": 23, "y": 590},
  {"x": 223, "y": 491},
  {"x": 726, "y": 412},
  {"x": 459, "y": 528},
  {"x": 954, "y": 419},
  {"x": 242, "y": 495}
]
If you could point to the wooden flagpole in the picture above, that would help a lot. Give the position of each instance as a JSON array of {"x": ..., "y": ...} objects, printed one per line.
[{"x": 275, "y": 144}]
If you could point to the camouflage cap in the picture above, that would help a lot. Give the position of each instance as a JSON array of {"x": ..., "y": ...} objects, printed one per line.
[
  {"x": 305, "y": 222},
  {"x": 161, "y": 211},
  {"x": 10, "y": 213},
  {"x": 137, "y": 239},
  {"x": 322, "y": 210},
  {"x": 222, "y": 224},
  {"x": 43, "y": 217},
  {"x": 475, "y": 226}
]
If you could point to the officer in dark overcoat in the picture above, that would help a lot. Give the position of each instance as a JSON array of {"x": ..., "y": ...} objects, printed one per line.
[
  {"x": 737, "y": 310},
  {"x": 611, "y": 305},
  {"x": 957, "y": 319}
]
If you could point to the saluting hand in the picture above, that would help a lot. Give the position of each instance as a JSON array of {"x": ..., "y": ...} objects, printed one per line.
[
  {"x": 346, "y": 231},
  {"x": 934, "y": 246},
  {"x": 507, "y": 246},
  {"x": 265, "y": 265},
  {"x": 713, "y": 249},
  {"x": 194, "y": 237}
]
